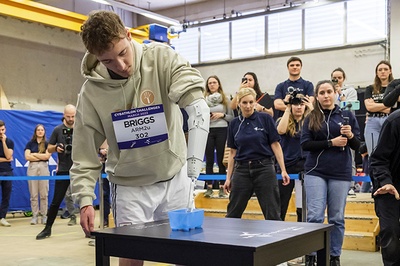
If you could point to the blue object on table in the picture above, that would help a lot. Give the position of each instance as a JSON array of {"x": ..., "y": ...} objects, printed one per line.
[{"x": 185, "y": 220}]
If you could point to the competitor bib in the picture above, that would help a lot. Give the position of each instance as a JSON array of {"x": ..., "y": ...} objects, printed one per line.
[{"x": 140, "y": 127}]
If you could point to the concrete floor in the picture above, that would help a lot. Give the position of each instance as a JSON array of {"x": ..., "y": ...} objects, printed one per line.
[{"x": 67, "y": 246}]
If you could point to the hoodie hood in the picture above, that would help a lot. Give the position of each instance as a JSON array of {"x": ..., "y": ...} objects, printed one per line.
[{"x": 93, "y": 70}]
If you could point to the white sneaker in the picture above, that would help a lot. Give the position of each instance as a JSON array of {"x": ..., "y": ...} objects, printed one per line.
[
  {"x": 351, "y": 193},
  {"x": 44, "y": 219},
  {"x": 34, "y": 220},
  {"x": 3, "y": 222}
]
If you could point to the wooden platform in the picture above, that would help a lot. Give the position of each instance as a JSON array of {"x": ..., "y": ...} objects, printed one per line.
[{"x": 362, "y": 225}]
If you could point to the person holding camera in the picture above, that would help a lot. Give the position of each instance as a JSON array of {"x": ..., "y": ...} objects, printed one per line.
[
  {"x": 344, "y": 92},
  {"x": 289, "y": 127},
  {"x": 60, "y": 142},
  {"x": 263, "y": 100},
  {"x": 294, "y": 83},
  {"x": 328, "y": 134}
]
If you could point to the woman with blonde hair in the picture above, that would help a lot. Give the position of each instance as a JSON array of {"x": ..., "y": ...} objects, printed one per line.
[
  {"x": 37, "y": 155},
  {"x": 289, "y": 126},
  {"x": 253, "y": 141}
]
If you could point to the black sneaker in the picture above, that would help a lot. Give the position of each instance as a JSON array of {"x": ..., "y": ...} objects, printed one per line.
[
  {"x": 335, "y": 261},
  {"x": 310, "y": 260}
]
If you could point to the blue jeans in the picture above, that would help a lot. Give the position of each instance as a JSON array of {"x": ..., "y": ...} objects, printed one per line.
[
  {"x": 330, "y": 194},
  {"x": 259, "y": 179},
  {"x": 372, "y": 131},
  {"x": 6, "y": 188}
]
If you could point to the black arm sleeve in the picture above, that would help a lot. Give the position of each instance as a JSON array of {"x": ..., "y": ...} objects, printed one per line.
[
  {"x": 354, "y": 143},
  {"x": 392, "y": 93},
  {"x": 315, "y": 145}
]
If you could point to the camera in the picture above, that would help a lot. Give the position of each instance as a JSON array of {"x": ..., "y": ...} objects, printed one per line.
[
  {"x": 244, "y": 80},
  {"x": 334, "y": 81},
  {"x": 295, "y": 97},
  {"x": 67, "y": 132}
]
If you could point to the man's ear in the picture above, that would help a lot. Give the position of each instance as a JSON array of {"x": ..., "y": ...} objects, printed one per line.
[{"x": 128, "y": 35}]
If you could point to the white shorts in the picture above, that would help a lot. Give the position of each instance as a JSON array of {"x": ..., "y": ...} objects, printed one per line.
[
  {"x": 299, "y": 193},
  {"x": 133, "y": 205}
]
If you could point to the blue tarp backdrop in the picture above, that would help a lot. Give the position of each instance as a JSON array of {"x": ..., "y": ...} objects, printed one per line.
[{"x": 19, "y": 127}]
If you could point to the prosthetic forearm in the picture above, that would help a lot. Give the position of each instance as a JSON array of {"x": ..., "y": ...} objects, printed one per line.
[{"x": 198, "y": 123}]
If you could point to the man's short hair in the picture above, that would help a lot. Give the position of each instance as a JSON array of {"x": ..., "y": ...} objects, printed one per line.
[
  {"x": 100, "y": 30},
  {"x": 2, "y": 123},
  {"x": 294, "y": 58}
]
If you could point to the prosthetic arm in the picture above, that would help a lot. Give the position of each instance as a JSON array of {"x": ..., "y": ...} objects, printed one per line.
[{"x": 198, "y": 124}]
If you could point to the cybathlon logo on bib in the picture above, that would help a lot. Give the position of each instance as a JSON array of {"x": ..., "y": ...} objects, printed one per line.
[{"x": 147, "y": 97}]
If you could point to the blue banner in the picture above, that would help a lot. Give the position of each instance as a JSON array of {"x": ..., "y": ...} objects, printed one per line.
[{"x": 20, "y": 126}]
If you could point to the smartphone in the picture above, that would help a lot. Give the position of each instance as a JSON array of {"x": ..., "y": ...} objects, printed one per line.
[
  {"x": 350, "y": 105},
  {"x": 244, "y": 80}
]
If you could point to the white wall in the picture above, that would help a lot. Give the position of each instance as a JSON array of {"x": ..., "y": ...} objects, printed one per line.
[
  {"x": 395, "y": 36},
  {"x": 358, "y": 63},
  {"x": 40, "y": 65}
]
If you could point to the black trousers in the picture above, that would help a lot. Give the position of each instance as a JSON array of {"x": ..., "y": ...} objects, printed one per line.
[
  {"x": 387, "y": 208},
  {"x": 252, "y": 178},
  {"x": 285, "y": 192},
  {"x": 216, "y": 141},
  {"x": 60, "y": 188}
]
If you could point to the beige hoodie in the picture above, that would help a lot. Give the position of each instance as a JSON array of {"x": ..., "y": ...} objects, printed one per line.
[{"x": 170, "y": 79}]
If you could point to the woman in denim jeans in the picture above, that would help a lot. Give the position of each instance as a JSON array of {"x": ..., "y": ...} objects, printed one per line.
[
  {"x": 328, "y": 138},
  {"x": 377, "y": 112},
  {"x": 253, "y": 141}
]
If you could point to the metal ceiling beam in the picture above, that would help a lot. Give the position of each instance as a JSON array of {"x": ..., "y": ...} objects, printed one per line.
[
  {"x": 60, "y": 18},
  {"x": 36, "y": 12}
]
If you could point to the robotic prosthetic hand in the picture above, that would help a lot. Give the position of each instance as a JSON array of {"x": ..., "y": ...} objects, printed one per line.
[{"x": 198, "y": 123}]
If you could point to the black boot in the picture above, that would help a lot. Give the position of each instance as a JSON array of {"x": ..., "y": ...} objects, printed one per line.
[
  {"x": 46, "y": 232},
  {"x": 310, "y": 260},
  {"x": 335, "y": 261}
]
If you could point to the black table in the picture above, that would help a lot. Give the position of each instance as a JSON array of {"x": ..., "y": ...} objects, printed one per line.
[{"x": 221, "y": 241}]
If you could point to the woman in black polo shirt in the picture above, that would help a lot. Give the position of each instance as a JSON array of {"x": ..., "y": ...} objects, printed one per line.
[{"x": 253, "y": 141}]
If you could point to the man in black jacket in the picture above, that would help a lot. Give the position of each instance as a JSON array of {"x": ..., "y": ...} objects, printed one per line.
[
  {"x": 385, "y": 174},
  {"x": 391, "y": 98}
]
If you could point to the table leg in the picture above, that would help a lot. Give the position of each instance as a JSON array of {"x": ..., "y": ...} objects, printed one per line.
[
  {"x": 101, "y": 259},
  {"x": 323, "y": 254}
]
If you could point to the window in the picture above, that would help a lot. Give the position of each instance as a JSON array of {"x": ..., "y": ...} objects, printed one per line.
[
  {"x": 248, "y": 37},
  {"x": 214, "y": 42},
  {"x": 366, "y": 20},
  {"x": 187, "y": 45},
  {"x": 284, "y": 31},
  {"x": 324, "y": 26}
]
